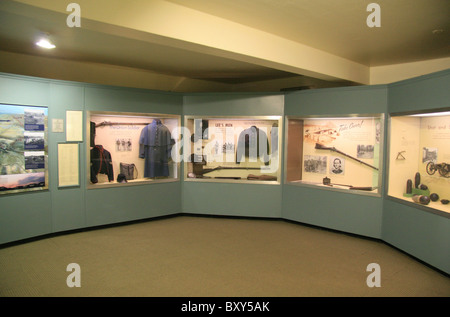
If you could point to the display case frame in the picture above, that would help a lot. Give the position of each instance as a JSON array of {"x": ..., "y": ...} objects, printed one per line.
[
  {"x": 411, "y": 178},
  {"x": 123, "y": 121},
  {"x": 229, "y": 131},
  {"x": 298, "y": 153}
]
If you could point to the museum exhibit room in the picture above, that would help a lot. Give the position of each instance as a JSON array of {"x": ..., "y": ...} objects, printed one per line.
[{"x": 225, "y": 148}]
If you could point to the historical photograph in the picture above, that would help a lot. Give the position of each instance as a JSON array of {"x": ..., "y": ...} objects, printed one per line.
[
  {"x": 365, "y": 151},
  {"x": 34, "y": 140},
  {"x": 34, "y": 119},
  {"x": 315, "y": 164},
  {"x": 337, "y": 165},
  {"x": 124, "y": 145},
  {"x": 34, "y": 160},
  {"x": 429, "y": 154}
]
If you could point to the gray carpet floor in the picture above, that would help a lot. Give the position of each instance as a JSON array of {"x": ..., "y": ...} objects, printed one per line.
[{"x": 189, "y": 256}]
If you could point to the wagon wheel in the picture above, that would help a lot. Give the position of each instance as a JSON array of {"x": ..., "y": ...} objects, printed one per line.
[
  {"x": 431, "y": 168},
  {"x": 445, "y": 170}
]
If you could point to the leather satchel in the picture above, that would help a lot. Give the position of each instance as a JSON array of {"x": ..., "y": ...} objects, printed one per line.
[{"x": 129, "y": 170}]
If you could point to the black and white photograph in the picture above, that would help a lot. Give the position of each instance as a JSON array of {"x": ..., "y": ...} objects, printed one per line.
[
  {"x": 429, "y": 154},
  {"x": 34, "y": 119},
  {"x": 315, "y": 164},
  {"x": 378, "y": 132},
  {"x": 124, "y": 145},
  {"x": 34, "y": 160},
  {"x": 223, "y": 148},
  {"x": 337, "y": 165},
  {"x": 34, "y": 140},
  {"x": 365, "y": 151}
]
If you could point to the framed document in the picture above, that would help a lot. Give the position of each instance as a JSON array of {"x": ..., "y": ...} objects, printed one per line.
[
  {"x": 57, "y": 125},
  {"x": 68, "y": 165},
  {"x": 74, "y": 126}
]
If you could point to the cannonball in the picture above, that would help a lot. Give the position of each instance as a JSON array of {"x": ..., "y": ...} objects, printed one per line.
[
  {"x": 434, "y": 197},
  {"x": 424, "y": 200}
]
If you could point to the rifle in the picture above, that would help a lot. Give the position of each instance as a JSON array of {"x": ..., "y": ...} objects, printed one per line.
[
  {"x": 327, "y": 181},
  {"x": 322, "y": 147},
  {"x": 108, "y": 123},
  {"x": 219, "y": 168},
  {"x": 199, "y": 171}
]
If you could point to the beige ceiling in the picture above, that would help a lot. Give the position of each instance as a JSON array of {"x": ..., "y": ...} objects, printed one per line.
[
  {"x": 339, "y": 26},
  {"x": 227, "y": 45}
]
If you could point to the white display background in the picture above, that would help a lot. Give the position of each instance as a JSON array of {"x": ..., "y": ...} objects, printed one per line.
[
  {"x": 347, "y": 136},
  {"x": 108, "y": 135},
  {"x": 223, "y": 133},
  {"x": 412, "y": 136}
]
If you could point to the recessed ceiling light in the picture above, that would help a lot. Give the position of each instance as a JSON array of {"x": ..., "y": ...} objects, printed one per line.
[{"x": 45, "y": 43}]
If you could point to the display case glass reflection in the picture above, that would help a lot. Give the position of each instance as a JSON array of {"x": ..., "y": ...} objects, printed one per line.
[
  {"x": 131, "y": 148},
  {"x": 419, "y": 162},
  {"x": 233, "y": 149},
  {"x": 342, "y": 153}
]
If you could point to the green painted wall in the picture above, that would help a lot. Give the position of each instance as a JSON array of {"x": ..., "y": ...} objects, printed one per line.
[
  {"x": 29, "y": 214},
  {"x": 67, "y": 205},
  {"x": 421, "y": 93},
  {"x": 60, "y": 209},
  {"x": 352, "y": 213},
  {"x": 421, "y": 233}
]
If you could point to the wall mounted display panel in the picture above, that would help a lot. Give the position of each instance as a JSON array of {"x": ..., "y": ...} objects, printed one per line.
[
  {"x": 23, "y": 148},
  {"x": 338, "y": 153},
  {"x": 131, "y": 148},
  {"x": 419, "y": 160},
  {"x": 233, "y": 149}
]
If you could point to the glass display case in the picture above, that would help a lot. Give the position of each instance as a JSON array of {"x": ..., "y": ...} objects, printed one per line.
[
  {"x": 338, "y": 153},
  {"x": 419, "y": 159},
  {"x": 131, "y": 148},
  {"x": 233, "y": 149}
]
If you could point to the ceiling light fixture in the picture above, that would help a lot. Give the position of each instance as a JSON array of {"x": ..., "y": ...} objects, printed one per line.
[
  {"x": 433, "y": 114},
  {"x": 45, "y": 43}
]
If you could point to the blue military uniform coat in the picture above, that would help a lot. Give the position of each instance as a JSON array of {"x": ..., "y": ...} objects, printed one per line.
[
  {"x": 252, "y": 143},
  {"x": 155, "y": 145}
]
